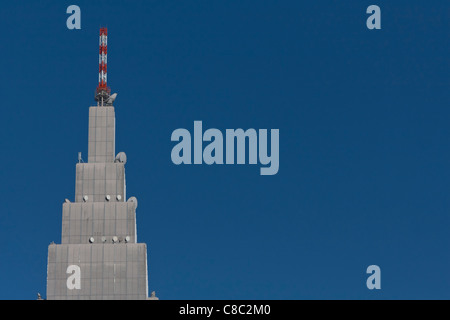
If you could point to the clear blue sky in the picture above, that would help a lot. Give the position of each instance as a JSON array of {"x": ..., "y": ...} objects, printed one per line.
[{"x": 364, "y": 142}]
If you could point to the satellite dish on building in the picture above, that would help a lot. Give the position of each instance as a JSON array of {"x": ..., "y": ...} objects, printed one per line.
[
  {"x": 111, "y": 99},
  {"x": 121, "y": 157},
  {"x": 134, "y": 200}
]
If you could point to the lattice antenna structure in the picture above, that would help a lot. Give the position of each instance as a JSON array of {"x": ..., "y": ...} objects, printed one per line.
[{"x": 103, "y": 92}]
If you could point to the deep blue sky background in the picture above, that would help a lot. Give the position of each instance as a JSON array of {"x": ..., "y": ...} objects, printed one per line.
[{"x": 364, "y": 142}]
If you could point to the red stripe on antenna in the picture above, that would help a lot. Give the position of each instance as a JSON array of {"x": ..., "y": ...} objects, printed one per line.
[{"x": 103, "y": 91}]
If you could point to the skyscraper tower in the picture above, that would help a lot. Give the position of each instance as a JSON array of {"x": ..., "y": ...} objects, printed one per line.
[{"x": 99, "y": 257}]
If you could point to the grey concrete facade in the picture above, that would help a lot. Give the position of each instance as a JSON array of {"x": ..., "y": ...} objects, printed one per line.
[
  {"x": 98, "y": 180},
  {"x": 102, "y": 130},
  {"x": 99, "y": 257},
  {"x": 107, "y": 271},
  {"x": 98, "y": 222}
]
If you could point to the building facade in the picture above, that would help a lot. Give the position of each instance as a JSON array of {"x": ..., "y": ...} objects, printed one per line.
[{"x": 99, "y": 256}]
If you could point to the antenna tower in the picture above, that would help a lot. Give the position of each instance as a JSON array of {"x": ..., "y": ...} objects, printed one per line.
[{"x": 103, "y": 92}]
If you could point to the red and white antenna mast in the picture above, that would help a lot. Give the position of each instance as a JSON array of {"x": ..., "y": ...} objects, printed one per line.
[{"x": 103, "y": 92}]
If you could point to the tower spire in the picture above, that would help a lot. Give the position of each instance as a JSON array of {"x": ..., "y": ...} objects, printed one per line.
[{"x": 102, "y": 92}]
